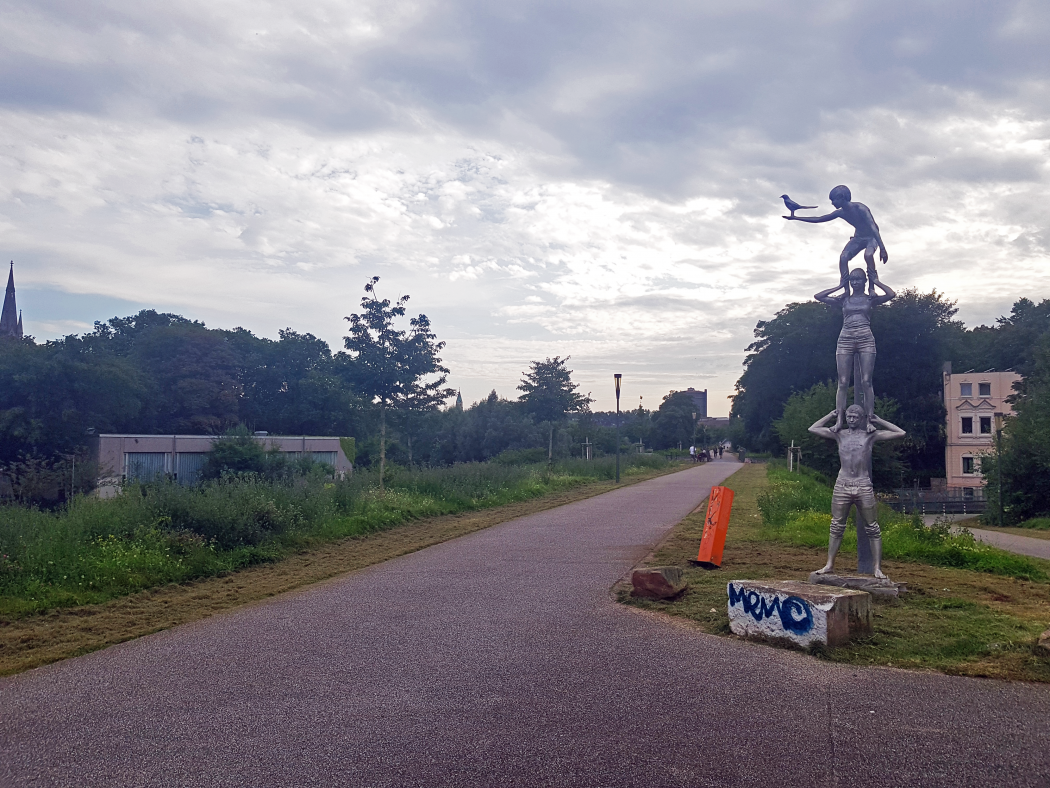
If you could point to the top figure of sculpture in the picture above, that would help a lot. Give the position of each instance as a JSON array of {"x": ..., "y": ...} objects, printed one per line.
[{"x": 866, "y": 235}]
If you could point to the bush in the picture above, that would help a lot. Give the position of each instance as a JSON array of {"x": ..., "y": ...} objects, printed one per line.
[
  {"x": 163, "y": 532},
  {"x": 797, "y": 510}
]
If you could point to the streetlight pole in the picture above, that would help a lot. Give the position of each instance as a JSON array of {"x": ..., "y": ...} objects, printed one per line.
[
  {"x": 999, "y": 461},
  {"x": 616, "y": 378}
]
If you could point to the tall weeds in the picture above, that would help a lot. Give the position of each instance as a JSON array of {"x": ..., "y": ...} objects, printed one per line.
[{"x": 94, "y": 550}]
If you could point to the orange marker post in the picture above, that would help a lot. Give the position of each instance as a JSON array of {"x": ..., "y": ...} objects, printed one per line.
[{"x": 719, "y": 505}]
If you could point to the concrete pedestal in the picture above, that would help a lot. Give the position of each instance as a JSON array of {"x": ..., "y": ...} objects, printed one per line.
[
  {"x": 800, "y": 614},
  {"x": 875, "y": 587}
]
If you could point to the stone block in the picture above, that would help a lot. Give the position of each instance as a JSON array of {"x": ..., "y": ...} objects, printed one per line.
[
  {"x": 874, "y": 586},
  {"x": 658, "y": 582},
  {"x": 1042, "y": 646},
  {"x": 801, "y": 614}
]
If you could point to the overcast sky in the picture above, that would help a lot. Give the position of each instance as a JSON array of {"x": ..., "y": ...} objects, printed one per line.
[{"x": 597, "y": 180}]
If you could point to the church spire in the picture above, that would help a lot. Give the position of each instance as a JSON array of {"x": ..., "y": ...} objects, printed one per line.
[{"x": 10, "y": 320}]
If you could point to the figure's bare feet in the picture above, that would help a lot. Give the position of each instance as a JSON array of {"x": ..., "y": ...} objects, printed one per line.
[
  {"x": 825, "y": 569},
  {"x": 880, "y": 575}
]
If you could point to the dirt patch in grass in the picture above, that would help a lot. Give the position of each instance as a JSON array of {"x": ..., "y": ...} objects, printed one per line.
[
  {"x": 36, "y": 640},
  {"x": 951, "y": 620}
]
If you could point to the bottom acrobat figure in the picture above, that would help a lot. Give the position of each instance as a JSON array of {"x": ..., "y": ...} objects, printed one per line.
[{"x": 853, "y": 485}]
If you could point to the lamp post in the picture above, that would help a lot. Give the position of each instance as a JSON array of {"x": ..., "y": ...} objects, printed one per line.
[
  {"x": 616, "y": 378},
  {"x": 999, "y": 461}
]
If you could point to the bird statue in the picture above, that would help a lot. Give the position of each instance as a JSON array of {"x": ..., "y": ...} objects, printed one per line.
[{"x": 793, "y": 206}]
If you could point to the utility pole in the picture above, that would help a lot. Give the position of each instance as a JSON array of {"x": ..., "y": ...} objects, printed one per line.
[
  {"x": 616, "y": 378},
  {"x": 999, "y": 461}
]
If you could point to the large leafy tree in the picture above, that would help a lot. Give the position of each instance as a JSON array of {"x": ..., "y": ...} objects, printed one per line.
[
  {"x": 1025, "y": 447},
  {"x": 673, "y": 423},
  {"x": 915, "y": 334},
  {"x": 391, "y": 365},
  {"x": 805, "y": 408},
  {"x": 549, "y": 394}
]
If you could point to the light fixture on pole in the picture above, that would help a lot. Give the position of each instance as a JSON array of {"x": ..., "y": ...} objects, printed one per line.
[
  {"x": 999, "y": 461},
  {"x": 616, "y": 378}
]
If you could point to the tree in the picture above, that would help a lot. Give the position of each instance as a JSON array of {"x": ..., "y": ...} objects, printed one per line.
[
  {"x": 1025, "y": 448},
  {"x": 673, "y": 423},
  {"x": 549, "y": 394},
  {"x": 804, "y": 408},
  {"x": 915, "y": 333},
  {"x": 390, "y": 365}
]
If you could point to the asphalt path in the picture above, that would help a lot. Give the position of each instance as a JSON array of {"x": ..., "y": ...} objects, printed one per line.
[
  {"x": 500, "y": 659},
  {"x": 1013, "y": 543}
]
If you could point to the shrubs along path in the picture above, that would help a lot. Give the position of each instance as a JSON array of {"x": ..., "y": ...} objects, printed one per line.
[
  {"x": 970, "y": 609},
  {"x": 104, "y": 617}
]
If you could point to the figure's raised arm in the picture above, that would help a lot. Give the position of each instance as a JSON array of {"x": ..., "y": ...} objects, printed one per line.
[
  {"x": 816, "y": 219},
  {"x": 887, "y": 431},
  {"x": 826, "y": 297},
  {"x": 888, "y": 294},
  {"x": 817, "y": 427}
]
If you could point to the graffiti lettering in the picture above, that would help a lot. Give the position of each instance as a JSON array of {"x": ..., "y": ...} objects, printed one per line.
[{"x": 795, "y": 613}]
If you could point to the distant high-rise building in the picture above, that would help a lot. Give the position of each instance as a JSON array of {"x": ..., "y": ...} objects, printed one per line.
[
  {"x": 700, "y": 400},
  {"x": 10, "y": 318}
]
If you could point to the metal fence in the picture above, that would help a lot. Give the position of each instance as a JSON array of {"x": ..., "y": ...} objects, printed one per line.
[{"x": 952, "y": 500}]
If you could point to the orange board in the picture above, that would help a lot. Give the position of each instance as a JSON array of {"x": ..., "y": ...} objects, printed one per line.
[{"x": 719, "y": 505}]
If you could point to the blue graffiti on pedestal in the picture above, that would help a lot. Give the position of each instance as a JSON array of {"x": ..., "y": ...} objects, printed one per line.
[{"x": 795, "y": 613}]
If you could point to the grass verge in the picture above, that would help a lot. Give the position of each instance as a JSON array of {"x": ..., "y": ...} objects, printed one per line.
[
  {"x": 952, "y": 620},
  {"x": 31, "y": 641}
]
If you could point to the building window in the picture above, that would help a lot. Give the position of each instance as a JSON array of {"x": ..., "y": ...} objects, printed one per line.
[
  {"x": 967, "y": 425},
  {"x": 986, "y": 425},
  {"x": 968, "y": 493},
  {"x": 966, "y": 389},
  {"x": 984, "y": 389},
  {"x": 968, "y": 467}
]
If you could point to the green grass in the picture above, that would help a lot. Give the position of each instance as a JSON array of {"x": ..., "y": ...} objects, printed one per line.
[
  {"x": 1040, "y": 523},
  {"x": 952, "y": 620},
  {"x": 96, "y": 550},
  {"x": 796, "y": 509}
]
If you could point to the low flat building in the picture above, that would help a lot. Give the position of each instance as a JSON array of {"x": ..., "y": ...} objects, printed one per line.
[
  {"x": 973, "y": 400},
  {"x": 181, "y": 457}
]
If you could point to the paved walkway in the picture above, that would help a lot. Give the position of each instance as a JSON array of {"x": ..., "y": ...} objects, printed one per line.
[
  {"x": 499, "y": 659},
  {"x": 1014, "y": 543}
]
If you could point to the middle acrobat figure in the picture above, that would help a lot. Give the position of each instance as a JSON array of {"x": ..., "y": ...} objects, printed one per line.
[{"x": 866, "y": 235}]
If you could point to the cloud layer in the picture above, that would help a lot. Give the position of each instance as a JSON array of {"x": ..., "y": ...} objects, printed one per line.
[{"x": 593, "y": 179}]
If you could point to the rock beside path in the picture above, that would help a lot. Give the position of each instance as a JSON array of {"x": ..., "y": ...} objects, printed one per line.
[
  {"x": 1043, "y": 644},
  {"x": 658, "y": 582}
]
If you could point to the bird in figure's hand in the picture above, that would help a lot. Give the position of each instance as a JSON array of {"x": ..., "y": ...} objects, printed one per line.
[{"x": 793, "y": 206}]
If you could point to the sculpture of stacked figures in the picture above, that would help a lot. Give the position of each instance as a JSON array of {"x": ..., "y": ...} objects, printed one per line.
[{"x": 856, "y": 428}]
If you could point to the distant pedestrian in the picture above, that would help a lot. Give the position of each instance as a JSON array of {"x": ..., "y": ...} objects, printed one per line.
[{"x": 692, "y": 453}]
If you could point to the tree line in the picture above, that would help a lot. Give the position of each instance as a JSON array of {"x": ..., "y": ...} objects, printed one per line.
[
  {"x": 789, "y": 370},
  {"x": 158, "y": 373}
]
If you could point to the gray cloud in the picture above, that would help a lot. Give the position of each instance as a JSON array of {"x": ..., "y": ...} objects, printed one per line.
[{"x": 543, "y": 177}]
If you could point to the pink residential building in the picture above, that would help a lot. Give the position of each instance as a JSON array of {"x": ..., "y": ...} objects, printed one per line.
[{"x": 973, "y": 401}]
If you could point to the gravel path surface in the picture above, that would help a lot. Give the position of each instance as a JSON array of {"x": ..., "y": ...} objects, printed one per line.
[{"x": 499, "y": 659}]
